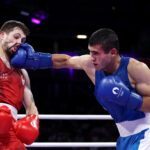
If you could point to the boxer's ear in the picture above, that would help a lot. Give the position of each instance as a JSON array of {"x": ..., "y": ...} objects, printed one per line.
[
  {"x": 2, "y": 35},
  {"x": 114, "y": 51}
]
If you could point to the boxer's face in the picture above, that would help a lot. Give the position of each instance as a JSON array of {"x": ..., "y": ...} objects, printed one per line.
[
  {"x": 100, "y": 59},
  {"x": 12, "y": 40}
]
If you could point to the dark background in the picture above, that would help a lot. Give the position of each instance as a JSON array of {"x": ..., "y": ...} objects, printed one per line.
[{"x": 67, "y": 91}]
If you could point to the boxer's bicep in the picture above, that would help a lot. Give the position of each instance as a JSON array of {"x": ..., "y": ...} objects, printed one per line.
[{"x": 141, "y": 75}]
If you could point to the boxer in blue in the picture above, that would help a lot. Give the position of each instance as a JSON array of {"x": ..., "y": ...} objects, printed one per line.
[{"x": 122, "y": 84}]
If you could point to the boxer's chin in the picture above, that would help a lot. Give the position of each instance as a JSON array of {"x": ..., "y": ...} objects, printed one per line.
[{"x": 10, "y": 53}]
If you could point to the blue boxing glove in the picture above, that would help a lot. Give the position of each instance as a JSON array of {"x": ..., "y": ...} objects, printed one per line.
[
  {"x": 113, "y": 89},
  {"x": 27, "y": 58}
]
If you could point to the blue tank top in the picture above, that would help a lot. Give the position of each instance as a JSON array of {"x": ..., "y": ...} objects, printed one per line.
[{"x": 118, "y": 113}]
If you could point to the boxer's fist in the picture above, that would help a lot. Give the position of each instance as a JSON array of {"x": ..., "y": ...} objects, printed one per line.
[
  {"x": 5, "y": 120},
  {"x": 113, "y": 89},
  {"x": 19, "y": 59},
  {"x": 27, "y": 129},
  {"x": 27, "y": 58}
]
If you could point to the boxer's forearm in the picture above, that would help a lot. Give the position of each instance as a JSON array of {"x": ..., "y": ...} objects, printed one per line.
[{"x": 60, "y": 60}]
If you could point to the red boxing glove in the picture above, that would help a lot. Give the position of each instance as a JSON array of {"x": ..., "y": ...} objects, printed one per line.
[
  {"x": 5, "y": 120},
  {"x": 27, "y": 129}
]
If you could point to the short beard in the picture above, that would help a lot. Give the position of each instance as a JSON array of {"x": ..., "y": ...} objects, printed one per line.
[{"x": 9, "y": 53}]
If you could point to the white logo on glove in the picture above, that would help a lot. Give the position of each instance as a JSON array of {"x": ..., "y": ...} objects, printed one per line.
[{"x": 115, "y": 90}]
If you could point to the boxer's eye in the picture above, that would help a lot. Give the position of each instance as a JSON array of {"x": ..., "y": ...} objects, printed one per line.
[
  {"x": 17, "y": 36},
  {"x": 94, "y": 53},
  {"x": 23, "y": 40}
]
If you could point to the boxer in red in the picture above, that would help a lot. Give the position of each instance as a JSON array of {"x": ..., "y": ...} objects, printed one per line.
[{"x": 15, "y": 91}]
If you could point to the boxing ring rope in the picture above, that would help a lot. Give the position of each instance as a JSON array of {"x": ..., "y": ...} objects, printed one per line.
[
  {"x": 72, "y": 144},
  {"x": 71, "y": 117}
]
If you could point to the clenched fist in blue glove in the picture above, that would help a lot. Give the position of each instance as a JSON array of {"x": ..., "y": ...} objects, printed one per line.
[
  {"x": 27, "y": 58},
  {"x": 113, "y": 89}
]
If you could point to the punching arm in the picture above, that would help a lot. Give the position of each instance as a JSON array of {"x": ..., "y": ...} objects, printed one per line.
[{"x": 27, "y": 58}]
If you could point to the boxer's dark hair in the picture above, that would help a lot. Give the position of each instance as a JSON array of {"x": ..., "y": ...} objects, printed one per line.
[
  {"x": 8, "y": 26},
  {"x": 106, "y": 37}
]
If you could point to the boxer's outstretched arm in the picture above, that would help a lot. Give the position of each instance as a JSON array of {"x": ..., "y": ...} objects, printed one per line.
[
  {"x": 27, "y": 58},
  {"x": 66, "y": 61}
]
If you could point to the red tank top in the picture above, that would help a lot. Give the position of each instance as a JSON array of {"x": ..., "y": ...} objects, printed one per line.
[{"x": 11, "y": 86}]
